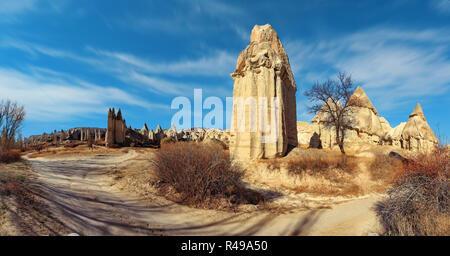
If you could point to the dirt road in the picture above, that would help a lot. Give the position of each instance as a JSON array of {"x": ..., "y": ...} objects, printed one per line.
[{"x": 79, "y": 194}]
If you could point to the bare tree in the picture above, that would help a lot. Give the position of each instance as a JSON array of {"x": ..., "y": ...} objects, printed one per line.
[
  {"x": 333, "y": 99},
  {"x": 11, "y": 119}
]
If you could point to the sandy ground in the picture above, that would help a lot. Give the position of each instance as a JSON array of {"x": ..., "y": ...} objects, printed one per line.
[{"x": 79, "y": 194}]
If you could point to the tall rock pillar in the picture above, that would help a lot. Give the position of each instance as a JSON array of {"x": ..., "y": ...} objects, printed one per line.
[
  {"x": 116, "y": 128},
  {"x": 264, "y": 108}
]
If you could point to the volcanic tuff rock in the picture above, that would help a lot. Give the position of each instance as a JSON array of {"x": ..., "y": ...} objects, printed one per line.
[
  {"x": 262, "y": 73},
  {"x": 394, "y": 136},
  {"x": 417, "y": 134},
  {"x": 365, "y": 117},
  {"x": 368, "y": 128},
  {"x": 116, "y": 128},
  {"x": 66, "y": 136}
]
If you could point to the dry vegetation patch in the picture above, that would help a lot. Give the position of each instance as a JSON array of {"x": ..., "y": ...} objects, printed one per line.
[
  {"x": 326, "y": 173},
  {"x": 201, "y": 175},
  {"x": 10, "y": 156},
  {"x": 76, "y": 150},
  {"x": 418, "y": 204}
]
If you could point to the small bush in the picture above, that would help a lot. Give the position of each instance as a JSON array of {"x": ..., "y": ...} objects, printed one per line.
[
  {"x": 200, "y": 175},
  {"x": 384, "y": 167},
  {"x": 314, "y": 172},
  {"x": 9, "y": 157},
  {"x": 418, "y": 204},
  {"x": 168, "y": 140},
  {"x": 321, "y": 164},
  {"x": 73, "y": 144}
]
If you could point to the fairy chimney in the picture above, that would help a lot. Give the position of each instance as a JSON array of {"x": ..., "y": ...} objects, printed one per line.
[
  {"x": 264, "y": 106},
  {"x": 417, "y": 134},
  {"x": 116, "y": 128}
]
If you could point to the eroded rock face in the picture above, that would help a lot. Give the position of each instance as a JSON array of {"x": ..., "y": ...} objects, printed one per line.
[
  {"x": 263, "y": 73},
  {"x": 368, "y": 128},
  {"x": 394, "y": 136},
  {"x": 116, "y": 129},
  {"x": 417, "y": 134},
  {"x": 315, "y": 141},
  {"x": 144, "y": 130},
  {"x": 365, "y": 117}
]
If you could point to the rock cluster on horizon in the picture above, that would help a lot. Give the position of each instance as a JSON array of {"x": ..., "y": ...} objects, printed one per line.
[{"x": 367, "y": 127}]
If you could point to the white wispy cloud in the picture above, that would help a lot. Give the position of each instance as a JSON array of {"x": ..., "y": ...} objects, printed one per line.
[
  {"x": 38, "y": 49},
  {"x": 393, "y": 65},
  {"x": 215, "y": 64},
  {"x": 442, "y": 6},
  {"x": 16, "y": 6},
  {"x": 187, "y": 17},
  {"x": 214, "y": 8},
  {"x": 11, "y": 11},
  {"x": 136, "y": 71},
  {"x": 54, "y": 96}
]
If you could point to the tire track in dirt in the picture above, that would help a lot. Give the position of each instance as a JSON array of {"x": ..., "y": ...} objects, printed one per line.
[{"x": 78, "y": 192}]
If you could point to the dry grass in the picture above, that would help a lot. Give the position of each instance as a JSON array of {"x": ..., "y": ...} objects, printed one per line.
[
  {"x": 315, "y": 172},
  {"x": 384, "y": 168},
  {"x": 326, "y": 173},
  {"x": 80, "y": 149},
  {"x": 418, "y": 204},
  {"x": 10, "y": 156},
  {"x": 201, "y": 175}
]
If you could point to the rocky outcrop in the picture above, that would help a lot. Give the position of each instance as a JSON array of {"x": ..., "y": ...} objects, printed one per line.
[
  {"x": 417, "y": 134},
  {"x": 394, "y": 136},
  {"x": 116, "y": 129},
  {"x": 260, "y": 126},
  {"x": 305, "y": 131},
  {"x": 144, "y": 130},
  {"x": 367, "y": 127},
  {"x": 364, "y": 118},
  {"x": 315, "y": 141},
  {"x": 322, "y": 116},
  {"x": 385, "y": 125},
  {"x": 67, "y": 136}
]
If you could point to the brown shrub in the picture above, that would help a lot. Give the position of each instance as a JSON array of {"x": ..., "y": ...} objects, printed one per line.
[
  {"x": 10, "y": 156},
  {"x": 200, "y": 175},
  {"x": 419, "y": 202},
  {"x": 73, "y": 144},
  {"x": 168, "y": 140},
  {"x": 384, "y": 167},
  {"x": 314, "y": 172},
  {"x": 321, "y": 164}
]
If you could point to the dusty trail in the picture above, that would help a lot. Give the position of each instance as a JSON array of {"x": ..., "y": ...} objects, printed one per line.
[{"x": 79, "y": 194}]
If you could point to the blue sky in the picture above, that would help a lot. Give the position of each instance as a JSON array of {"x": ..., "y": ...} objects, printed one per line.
[{"x": 68, "y": 61}]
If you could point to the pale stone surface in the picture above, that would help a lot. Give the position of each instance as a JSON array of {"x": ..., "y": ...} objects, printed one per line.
[
  {"x": 263, "y": 71},
  {"x": 417, "y": 134},
  {"x": 116, "y": 128},
  {"x": 144, "y": 130},
  {"x": 394, "y": 136},
  {"x": 385, "y": 125},
  {"x": 322, "y": 116},
  {"x": 305, "y": 132},
  {"x": 365, "y": 117},
  {"x": 368, "y": 128}
]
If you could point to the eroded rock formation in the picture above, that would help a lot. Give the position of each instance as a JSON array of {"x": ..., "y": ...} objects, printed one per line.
[
  {"x": 116, "y": 129},
  {"x": 261, "y": 127},
  {"x": 417, "y": 134},
  {"x": 367, "y": 127}
]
